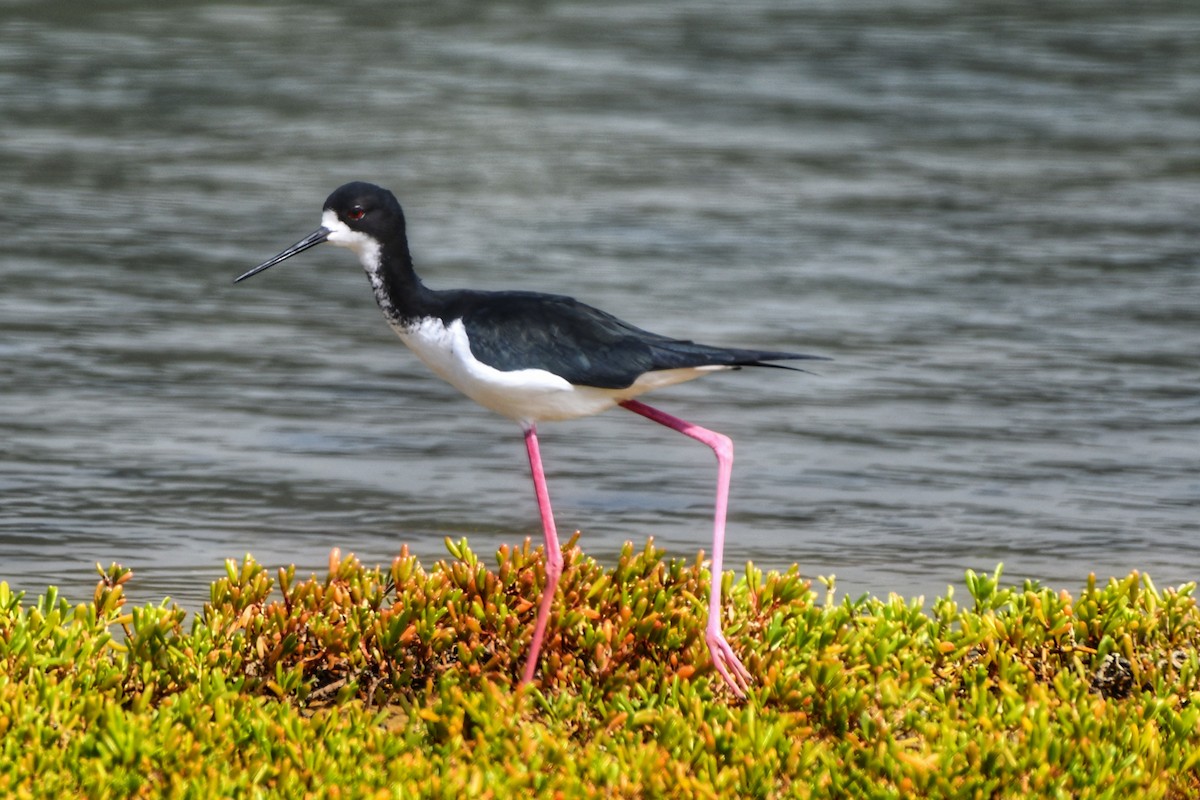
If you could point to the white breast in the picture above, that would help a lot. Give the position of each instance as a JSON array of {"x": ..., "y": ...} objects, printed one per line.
[{"x": 526, "y": 395}]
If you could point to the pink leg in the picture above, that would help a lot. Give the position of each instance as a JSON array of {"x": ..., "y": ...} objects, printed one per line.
[
  {"x": 554, "y": 560},
  {"x": 726, "y": 662}
]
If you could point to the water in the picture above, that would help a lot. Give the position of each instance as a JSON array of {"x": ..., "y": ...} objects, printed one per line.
[{"x": 988, "y": 217}]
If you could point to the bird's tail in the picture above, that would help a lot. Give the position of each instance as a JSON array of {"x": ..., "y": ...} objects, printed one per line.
[{"x": 677, "y": 354}]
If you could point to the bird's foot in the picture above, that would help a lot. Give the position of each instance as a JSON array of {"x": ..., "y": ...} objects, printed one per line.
[{"x": 736, "y": 676}]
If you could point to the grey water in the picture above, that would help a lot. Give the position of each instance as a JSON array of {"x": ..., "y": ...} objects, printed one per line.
[{"x": 986, "y": 214}]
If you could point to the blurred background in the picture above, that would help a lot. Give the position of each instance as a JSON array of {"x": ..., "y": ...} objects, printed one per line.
[{"x": 986, "y": 213}]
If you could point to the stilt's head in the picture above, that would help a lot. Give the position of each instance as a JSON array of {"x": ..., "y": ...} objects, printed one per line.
[{"x": 358, "y": 215}]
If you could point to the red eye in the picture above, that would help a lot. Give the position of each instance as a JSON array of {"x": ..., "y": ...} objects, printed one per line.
[{"x": 356, "y": 213}]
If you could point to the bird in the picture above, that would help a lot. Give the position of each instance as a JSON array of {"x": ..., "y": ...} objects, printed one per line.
[{"x": 535, "y": 357}]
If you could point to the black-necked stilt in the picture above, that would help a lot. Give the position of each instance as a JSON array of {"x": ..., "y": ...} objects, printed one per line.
[{"x": 533, "y": 357}]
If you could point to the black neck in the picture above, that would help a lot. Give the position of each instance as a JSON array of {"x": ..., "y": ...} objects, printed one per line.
[{"x": 398, "y": 290}]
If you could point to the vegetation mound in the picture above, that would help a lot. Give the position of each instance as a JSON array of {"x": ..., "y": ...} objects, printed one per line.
[{"x": 402, "y": 682}]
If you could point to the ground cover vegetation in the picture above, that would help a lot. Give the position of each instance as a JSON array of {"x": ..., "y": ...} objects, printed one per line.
[{"x": 402, "y": 682}]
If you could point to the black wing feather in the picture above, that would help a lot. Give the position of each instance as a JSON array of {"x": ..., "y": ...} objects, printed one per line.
[{"x": 586, "y": 346}]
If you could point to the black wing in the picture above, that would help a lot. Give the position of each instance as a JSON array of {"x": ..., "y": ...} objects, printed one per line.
[{"x": 584, "y": 345}]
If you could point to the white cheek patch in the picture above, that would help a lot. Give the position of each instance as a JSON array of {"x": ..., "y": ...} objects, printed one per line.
[{"x": 365, "y": 247}]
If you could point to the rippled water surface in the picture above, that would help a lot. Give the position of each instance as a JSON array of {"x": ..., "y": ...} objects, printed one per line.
[{"x": 988, "y": 217}]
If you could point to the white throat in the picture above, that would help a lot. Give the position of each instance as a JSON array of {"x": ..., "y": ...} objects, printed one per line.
[
  {"x": 368, "y": 251},
  {"x": 365, "y": 247}
]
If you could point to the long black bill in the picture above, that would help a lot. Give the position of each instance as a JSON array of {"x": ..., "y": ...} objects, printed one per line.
[{"x": 312, "y": 240}]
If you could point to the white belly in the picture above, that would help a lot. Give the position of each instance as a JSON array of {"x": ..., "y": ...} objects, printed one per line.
[{"x": 526, "y": 395}]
